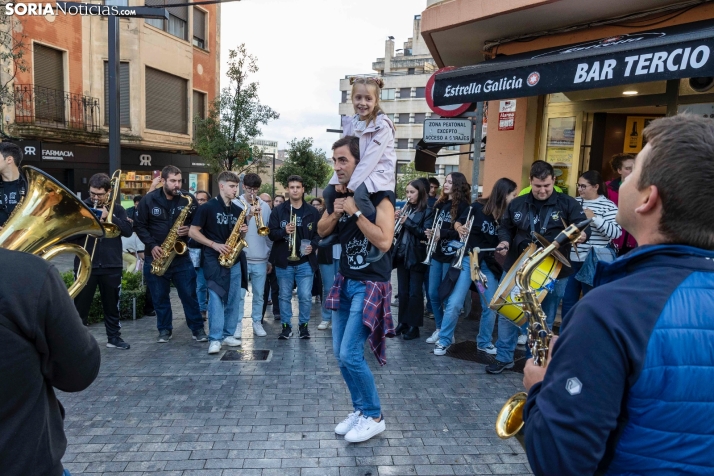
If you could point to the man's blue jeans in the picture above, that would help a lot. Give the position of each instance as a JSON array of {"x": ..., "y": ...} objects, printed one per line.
[
  {"x": 201, "y": 290},
  {"x": 488, "y": 316},
  {"x": 223, "y": 316},
  {"x": 257, "y": 273},
  {"x": 348, "y": 337},
  {"x": 182, "y": 274},
  {"x": 327, "y": 273},
  {"x": 508, "y": 332},
  {"x": 454, "y": 302},
  {"x": 437, "y": 271},
  {"x": 573, "y": 289},
  {"x": 303, "y": 276}
]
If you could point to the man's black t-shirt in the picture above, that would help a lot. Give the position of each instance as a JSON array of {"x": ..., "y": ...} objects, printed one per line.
[
  {"x": 9, "y": 198},
  {"x": 355, "y": 246},
  {"x": 216, "y": 220}
]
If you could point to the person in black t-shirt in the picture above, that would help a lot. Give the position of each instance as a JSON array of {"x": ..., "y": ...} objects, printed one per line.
[
  {"x": 12, "y": 183},
  {"x": 211, "y": 227}
]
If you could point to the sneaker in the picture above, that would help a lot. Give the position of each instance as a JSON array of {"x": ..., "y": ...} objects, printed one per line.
[
  {"x": 522, "y": 339},
  {"x": 490, "y": 349},
  {"x": 433, "y": 338},
  {"x": 200, "y": 336},
  {"x": 164, "y": 336},
  {"x": 304, "y": 333},
  {"x": 441, "y": 349},
  {"x": 497, "y": 367},
  {"x": 117, "y": 343},
  {"x": 347, "y": 424},
  {"x": 365, "y": 429},
  {"x": 324, "y": 325},
  {"x": 286, "y": 333},
  {"x": 276, "y": 317},
  {"x": 258, "y": 329},
  {"x": 231, "y": 341},
  {"x": 215, "y": 347}
]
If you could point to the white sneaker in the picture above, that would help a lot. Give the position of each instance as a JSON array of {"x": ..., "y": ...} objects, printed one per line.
[
  {"x": 215, "y": 347},
  {"x": 324, "y": 325},
  {"x": 239, "y": 331},
  {"x": 347, "y": 424},
  {"x": 258, "y": 329},
  {"x": 490, "y": 349},
  {"x": 365, "y": 429},
  {"x": 441, "y": 349},
  {"x": 434, "y": 337},
  {"x": 231, "y": 341},
  {"x": 522, "y": 339}
]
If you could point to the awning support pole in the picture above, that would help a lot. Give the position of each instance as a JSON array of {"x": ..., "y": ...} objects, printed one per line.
[
  {"x": 478, "y": 127},
  {"x": 672, "y": 94}
]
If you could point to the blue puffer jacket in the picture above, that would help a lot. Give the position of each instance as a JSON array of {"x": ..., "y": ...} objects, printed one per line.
[{"x": 630, "y": 388}]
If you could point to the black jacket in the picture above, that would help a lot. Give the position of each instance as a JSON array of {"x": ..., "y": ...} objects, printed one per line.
[
  {"x": 108, "y": 254},
  {"x": 43, "y": 345},
  {"x": 155, "y": 216},
  {"x": 522, "y": 218},
  {"x": 131, "y": 213},
  {"x": 281, "y": 215},
  {"x": 415, "y": 250}
]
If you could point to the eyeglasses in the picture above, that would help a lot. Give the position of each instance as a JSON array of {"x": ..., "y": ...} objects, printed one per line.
[
  {"x": 98, "y": 195},
  {"x": 250, "y": 189},
  {"x": 582, "y": 186}
]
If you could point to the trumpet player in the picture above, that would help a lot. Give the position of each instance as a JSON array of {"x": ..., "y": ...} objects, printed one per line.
[
  {"x": 107, "y": 262},
  {"x": 290, "y": 223},
  {"x": 211, "y": 227},
  {"x": 259, "y": 246}
]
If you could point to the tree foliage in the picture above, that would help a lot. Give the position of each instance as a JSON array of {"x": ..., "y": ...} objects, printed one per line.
[
  {"x": 311, "y": 164},
  {"x": 13, "y": 46},
  {"x": 224, "y": 138},
  {"x": 408, "y": 174}
]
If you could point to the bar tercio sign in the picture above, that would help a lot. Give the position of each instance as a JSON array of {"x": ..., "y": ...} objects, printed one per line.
[{"x": 447, "y": 131}]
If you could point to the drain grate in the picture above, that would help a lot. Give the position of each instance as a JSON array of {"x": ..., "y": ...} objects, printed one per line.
[
  {"x": 468, "y": 351},
  {"x": 246, "y": 355}
]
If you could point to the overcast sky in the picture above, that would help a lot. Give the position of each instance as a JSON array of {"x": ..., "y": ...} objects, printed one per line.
[{"x": 304, "y": 47}]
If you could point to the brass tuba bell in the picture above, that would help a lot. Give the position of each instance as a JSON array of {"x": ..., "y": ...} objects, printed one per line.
[{"x": 48, "y": 214}]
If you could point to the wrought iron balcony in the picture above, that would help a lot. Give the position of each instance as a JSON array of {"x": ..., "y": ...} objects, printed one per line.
[{"x": 44, "y": 107}]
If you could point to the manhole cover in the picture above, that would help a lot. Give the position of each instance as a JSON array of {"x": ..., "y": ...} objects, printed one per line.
[
  {"x": 468, "y": 351},
  {"x": 246, "y": 355}
]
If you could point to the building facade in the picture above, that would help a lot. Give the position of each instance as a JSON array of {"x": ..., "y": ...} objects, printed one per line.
[{"x": 169, "y": 72}]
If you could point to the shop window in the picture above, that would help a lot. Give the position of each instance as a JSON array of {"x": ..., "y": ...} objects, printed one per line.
[
  {"x": 124, "y": 97},
  {"x": 166, "y": 102},
  {"x": 199, "y": 28},
  {"x": 388, "y": 94}
]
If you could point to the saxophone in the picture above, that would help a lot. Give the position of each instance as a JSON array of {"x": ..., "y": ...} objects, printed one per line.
[
  {"x": 171, "y": 245},
  {"x": 234, "y": 242},
  {"x": 509, "y": 421}
]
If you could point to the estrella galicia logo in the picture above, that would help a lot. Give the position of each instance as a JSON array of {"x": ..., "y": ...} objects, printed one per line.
[
  {"x": 533, "y": 78},
  {"x": 156, "y": 211}
]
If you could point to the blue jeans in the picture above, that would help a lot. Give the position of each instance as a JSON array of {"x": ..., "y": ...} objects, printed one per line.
[
  {"x": 488, "y": 316},
  {"x": 348, "y": 337},
  {"x": 182, "y": 274},
  {"x": 508, "y": 332},
  {"x": 454, "y": 303},
  {"x": 302, "y": 275},
  {"x": 437, "y": 271},
  {"x": 223, "y": 316},
  {"x": 201, "y": 290},
  {"x": 573, "y": 289},
  {"x": 327, "y": 273},
  {"x": 66, "y": 473},
  {"x": 257, "y": 273}
]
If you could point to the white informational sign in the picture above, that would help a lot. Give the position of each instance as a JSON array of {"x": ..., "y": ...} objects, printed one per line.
[{"x": 447, "y": 131}]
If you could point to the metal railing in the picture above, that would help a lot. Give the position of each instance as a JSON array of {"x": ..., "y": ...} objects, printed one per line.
[{"x": 46, "y": 107}]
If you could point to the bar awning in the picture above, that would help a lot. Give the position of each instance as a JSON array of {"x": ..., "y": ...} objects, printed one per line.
[{"x": 682, "y": 51}]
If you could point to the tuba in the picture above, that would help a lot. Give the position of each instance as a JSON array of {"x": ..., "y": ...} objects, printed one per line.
[
  {"x": 235, "y": 242},
  {"x": 48, "y": 214},
  {"x": 171, "y": 245},
  {"x": 509, "y": 421}
]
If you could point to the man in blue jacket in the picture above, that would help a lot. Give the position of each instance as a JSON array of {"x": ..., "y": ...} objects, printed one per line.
[{"x": 629, "y": 387}]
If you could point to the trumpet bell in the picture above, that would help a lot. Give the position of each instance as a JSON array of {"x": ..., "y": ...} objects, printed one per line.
[{"x": 263, "y": 231}]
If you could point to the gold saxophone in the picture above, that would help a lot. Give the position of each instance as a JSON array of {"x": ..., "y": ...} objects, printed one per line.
[
  {"x": 171, "y": 245},
  {"x": 234, "y": 242},
  {"x": 509, "y": 421}
]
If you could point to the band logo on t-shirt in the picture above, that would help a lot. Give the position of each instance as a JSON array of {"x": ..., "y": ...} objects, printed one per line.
[
  {"x": 356, "y": 252},
  {"x": 226, "y": 219}
]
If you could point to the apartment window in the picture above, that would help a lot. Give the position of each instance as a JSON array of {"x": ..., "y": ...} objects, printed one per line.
[
  {"x": 199, "y": 28},
  {"x": 420, "y": 93},
  {"x": 118, "y": 3},
  {"x": 49, "y": 83},
  {"x": 199, "y": 104},
  {"x": 177, "y": 24},
  {"x": 410, "y": 71},
  {"x": 450, "y": 169},
  {"x": 392, "y": 117},
  {"x": 344, "y": 96},
  {"x": 402, "y": 143},
  {"x": 419, "y": 118},
  {"x": 400, "y": 167},
  {"x": 387, "y": 94},
  {"x": 405, "y": 93},
  {"x": 403, "y": 118},
  {"x": 166, "y": 102},
  {"x": 124, "y": 95}
]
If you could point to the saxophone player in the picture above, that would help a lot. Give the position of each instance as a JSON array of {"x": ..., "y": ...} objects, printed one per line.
[
  {"x": 212, "y": 226},
  {"x": 154, "y": 219}
]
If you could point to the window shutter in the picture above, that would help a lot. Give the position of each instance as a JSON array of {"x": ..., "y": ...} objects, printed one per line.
[
  {"x": 405, "y": 93},
  {"x": 402, "y": 143},
  {"x": 419, "y": 118},
  {"x": 179, "y": 12},
  {"x": 199, "y": 24},
  {"x": 166, "y": 102},
  {"x": 420, "y": 93},
  {"x": 124, "y": 95},
  {"x": 404, "y": 118},
  {"x": 49, "y": 71}
]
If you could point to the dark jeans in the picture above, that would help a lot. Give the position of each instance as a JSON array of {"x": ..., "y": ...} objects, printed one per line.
[
  {"x": 573, "y": 289},
  {"x": 271, "y": 293},
  {"x": 411, "y": 296},
  {"x": 148, "y": 302},
  {"x": 182, "y": 274},
  {"x": 109, "y": 282}
]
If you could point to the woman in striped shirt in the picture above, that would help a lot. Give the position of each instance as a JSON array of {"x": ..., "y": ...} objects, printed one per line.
[{"x": 593, "y": 199}]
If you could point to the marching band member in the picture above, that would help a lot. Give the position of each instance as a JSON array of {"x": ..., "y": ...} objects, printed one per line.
[
  {"x": 13, "y": 185},
  {"x": 155, "y": 216},
  {"x": 211, "y": 227},
  {"x": 195, "y": 250},
  {"x": 107, "y": 262}
]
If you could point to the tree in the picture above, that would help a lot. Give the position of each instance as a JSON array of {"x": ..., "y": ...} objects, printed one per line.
[
  {"x": 12, "y": 51},
  {"x": 311, "y": 164},
  {"x": 407, "y": 174},
  {"x": 224, "y": 138}
]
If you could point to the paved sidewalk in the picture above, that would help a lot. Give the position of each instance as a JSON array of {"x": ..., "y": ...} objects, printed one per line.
[{"x": 172, "y": 409}]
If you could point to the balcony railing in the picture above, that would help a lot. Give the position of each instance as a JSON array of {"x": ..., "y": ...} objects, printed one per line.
[{"x": 46, "y": 107}]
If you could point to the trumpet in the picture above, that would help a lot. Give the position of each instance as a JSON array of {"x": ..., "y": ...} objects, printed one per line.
[
  {"x": 292, "y": 240},
  {"x": 431, "y": 244},
  {"x": 399, "y": 222},
  {"x": 258, "y": 213},
  {"x": 464, "y": 240}
]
